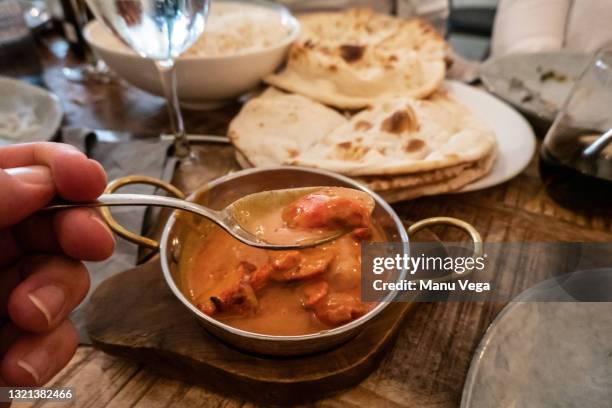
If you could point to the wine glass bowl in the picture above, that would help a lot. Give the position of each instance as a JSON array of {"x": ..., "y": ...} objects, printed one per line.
[
  {"x": 156, "y": 29},
  {"x": 576, "y": 155},
  {"x": 161, "y": 30}
]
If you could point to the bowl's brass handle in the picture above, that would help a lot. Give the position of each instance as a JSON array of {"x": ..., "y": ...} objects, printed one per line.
[
  {"x": 118, "y": 228},
  {"x": 455, "y": 222}
]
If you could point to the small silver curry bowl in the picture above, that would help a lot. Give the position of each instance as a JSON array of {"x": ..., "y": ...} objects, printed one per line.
[{"x": 225, "y": 190}]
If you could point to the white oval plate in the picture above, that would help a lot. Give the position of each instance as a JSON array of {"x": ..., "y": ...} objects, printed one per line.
[
  {"x": 516, "y": 141},
  {"x": 46, "y": 107}
]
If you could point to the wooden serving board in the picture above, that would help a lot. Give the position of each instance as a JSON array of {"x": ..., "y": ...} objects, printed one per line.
[{"x": 135, "y": 315}]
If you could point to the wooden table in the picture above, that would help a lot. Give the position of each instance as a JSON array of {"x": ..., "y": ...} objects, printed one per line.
[{"x": 428, "y": 364}]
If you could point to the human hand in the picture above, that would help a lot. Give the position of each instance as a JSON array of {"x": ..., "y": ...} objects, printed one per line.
[{"x": 41, "y": 277}]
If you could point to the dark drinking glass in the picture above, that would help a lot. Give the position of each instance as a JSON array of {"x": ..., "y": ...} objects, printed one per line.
[{"x": 576, "y": 156}]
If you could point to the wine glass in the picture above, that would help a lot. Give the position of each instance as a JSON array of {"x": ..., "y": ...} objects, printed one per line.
[
  {"x": 160, "y": 30},
  {"x": 576, "y": 155}
]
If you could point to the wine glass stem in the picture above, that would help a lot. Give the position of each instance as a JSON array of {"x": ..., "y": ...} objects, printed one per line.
[{"x": 167, "y": 73}]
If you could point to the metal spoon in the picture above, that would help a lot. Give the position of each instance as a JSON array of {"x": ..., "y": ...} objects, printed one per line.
[
  {"x": 600, "y": 143},
  {"x": 239, "y": 218}
]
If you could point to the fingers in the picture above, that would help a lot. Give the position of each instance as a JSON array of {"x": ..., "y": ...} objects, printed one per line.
[
  {"x": 76, "y": 177},
  {"x": 35, "y": 172},
  {"x": 24, "y": 190},
  {"x": 35, "y": 234},
  {"x": 8, "y": 281},
  {"x": 52, "y": 288},
  {"x": 28, "y": 154},
  {"x": 8, "y": 334},
  {"x": 33, "y": 359},
  {"x": 10, "y": 248},
  {"x": 80, "y": 233},
  {"x": 83, "y": 235}
]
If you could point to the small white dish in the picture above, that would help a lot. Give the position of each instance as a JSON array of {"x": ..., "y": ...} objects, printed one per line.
[
  {"x": 203, "y": 82},
  {"x": 536, "y": 83},
  {"x": 516, "y": 142},
  {"x": 36, "y": 105}
]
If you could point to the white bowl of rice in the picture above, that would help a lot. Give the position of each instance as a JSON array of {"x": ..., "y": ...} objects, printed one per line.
[{"x": 243, "y": 42}]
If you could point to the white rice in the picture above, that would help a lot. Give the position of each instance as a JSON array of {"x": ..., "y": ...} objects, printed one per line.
[{"x": 234, "y": 28}]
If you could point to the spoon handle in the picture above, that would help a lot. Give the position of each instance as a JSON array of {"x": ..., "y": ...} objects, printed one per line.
[
  {"x": 598, "y": 145},
  {"x": 120, "y": 200}
]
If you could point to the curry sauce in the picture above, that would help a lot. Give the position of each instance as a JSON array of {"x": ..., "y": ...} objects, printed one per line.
[{"x": 285, "y": 292}]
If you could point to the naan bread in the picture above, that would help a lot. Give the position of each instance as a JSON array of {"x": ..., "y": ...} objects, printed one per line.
[
  {"x": 275, "y": 127},
  {"x": 355, "y": 58},
  {"x": 401, "y": 136},
  {"x": 382, "y": 183},
  {"x": 475, "y": 172},
  {"x": 396, "y": 137}
]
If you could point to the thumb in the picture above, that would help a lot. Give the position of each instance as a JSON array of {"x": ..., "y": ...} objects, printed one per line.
[{"x": 24, "y": 190}]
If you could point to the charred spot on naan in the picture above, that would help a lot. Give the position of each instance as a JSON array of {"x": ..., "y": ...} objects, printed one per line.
[
  {"x": 363, "y": 125},
  {"x": 401, "y": 121},
  {"x": 414, "y": 145},
  {"x": 297, "y": 52},
  {"x": 309, "y": 44},
  {"x": 352, "y": 53},
  {"x": 350, "y": 151}
]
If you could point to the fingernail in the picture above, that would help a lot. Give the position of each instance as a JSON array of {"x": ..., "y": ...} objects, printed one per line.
[
  {"x": 30, "y": 369},
  {"x": 106, "y": 227},
  {"x": 37, "y": 364},
  {"x": 32, "y": 174},
  {"x": 49, "y": 300},
  {"x": 69, "y": 148}
]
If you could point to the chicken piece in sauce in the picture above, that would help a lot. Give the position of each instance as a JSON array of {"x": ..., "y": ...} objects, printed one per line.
[
  {"x": 293, "y": 265},
  {"x": 314, "y": 292},
  {"x": 237, "y": 296},
  {"x": 332, "y": 208},
  {"x": 339, "y": 308}
]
